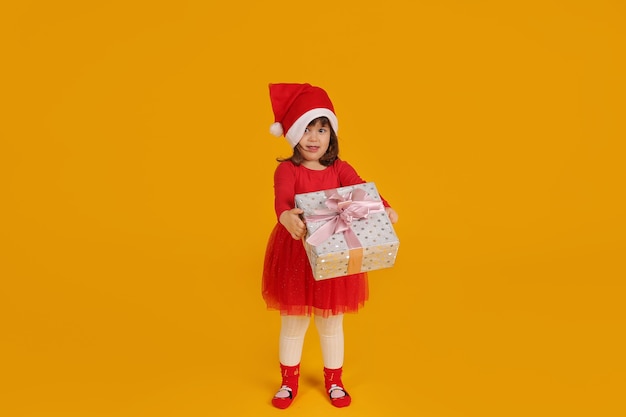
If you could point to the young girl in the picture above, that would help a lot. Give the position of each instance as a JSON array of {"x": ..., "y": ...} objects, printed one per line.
[{"x": 307, "y": 115}]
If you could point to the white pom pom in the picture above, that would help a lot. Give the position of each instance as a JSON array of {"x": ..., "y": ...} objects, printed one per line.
[{"x": 276, "y": 129}]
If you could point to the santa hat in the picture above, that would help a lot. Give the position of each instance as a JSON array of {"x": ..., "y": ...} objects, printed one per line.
[{"x": 295, "y": 106}]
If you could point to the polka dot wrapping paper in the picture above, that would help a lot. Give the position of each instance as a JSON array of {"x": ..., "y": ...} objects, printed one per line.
[{"x": 376, "y": 246}]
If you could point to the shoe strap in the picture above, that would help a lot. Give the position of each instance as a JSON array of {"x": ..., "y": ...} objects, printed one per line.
[{"x": 335, "y": 387}]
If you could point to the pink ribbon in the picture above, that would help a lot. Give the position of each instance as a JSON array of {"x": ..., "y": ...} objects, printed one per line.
[{"x": 342, "y": 210}]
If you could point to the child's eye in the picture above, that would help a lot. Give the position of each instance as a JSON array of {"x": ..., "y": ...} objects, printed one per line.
[
  {"x": 306, "y": 130},
  {"x": 322, "y": 130}
]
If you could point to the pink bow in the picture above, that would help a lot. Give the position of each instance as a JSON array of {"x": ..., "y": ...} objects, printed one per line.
[{"x": 342, "y": 210}]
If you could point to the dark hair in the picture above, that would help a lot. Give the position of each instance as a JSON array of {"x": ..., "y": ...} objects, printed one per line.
[{"x": 332, "y": 153}]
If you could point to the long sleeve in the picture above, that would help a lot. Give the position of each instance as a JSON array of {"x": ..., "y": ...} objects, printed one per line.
[
  {"x": 284, "y": 188},
  {"x": 349, "y": 176}
]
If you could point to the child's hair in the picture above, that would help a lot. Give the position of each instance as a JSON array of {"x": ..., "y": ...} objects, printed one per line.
[{"x": 332, "y": 153}]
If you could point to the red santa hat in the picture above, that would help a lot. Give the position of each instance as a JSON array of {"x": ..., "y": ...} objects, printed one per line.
[{"x": 295, "y": 106}]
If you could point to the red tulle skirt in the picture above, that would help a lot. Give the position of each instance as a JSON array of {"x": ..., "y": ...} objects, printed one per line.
[{"x": 289, "y": 286}]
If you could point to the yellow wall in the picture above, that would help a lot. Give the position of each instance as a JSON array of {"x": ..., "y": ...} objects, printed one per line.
[{"x": 136, "y": 191}]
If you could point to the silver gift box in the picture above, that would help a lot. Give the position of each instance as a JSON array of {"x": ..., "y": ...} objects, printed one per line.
[{"x": 378, "y": 242}]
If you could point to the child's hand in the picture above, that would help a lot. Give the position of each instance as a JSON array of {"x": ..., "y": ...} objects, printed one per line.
[
  {"x": 393, "y": 216},
  {"x": 293, "y": 223}
]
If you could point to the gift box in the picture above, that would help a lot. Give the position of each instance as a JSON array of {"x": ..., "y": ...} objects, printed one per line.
[{"x": 348, "y": 231}]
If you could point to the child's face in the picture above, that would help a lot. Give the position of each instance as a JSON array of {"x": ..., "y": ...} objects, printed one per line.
[{"x": 314, "y": 142}]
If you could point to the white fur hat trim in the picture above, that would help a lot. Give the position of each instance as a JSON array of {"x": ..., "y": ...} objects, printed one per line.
[{"x": 296, "y": 131}]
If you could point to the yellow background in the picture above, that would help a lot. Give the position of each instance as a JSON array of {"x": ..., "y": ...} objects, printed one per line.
[{"x": 136, "y": 197}]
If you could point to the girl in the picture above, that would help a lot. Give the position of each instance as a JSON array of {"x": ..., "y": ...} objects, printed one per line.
[{"x": 308, "y": 116}]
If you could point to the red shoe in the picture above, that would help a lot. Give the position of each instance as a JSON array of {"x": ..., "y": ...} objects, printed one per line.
[
  {"x": 340, "y": 400},
  {"x": 289, "y": 389},
  {"x": 283, "y": 402},
  {"x": 339, "y": 397}
]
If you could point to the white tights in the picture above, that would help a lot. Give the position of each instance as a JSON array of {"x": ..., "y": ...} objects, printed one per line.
[{"x": 330, "y": 330}]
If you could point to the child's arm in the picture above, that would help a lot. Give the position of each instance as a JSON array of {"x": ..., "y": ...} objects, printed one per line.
[
  {"x": 293, "y": 223},
  {"x": 284, "y": 188},
  {"x": 349, "y": 176},
  {"x": 393, "y": 216},
  {"x": 286, "y": 213}
]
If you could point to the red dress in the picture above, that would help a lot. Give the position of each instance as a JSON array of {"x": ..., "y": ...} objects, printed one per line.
[{"x": 288, "y": 283}]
